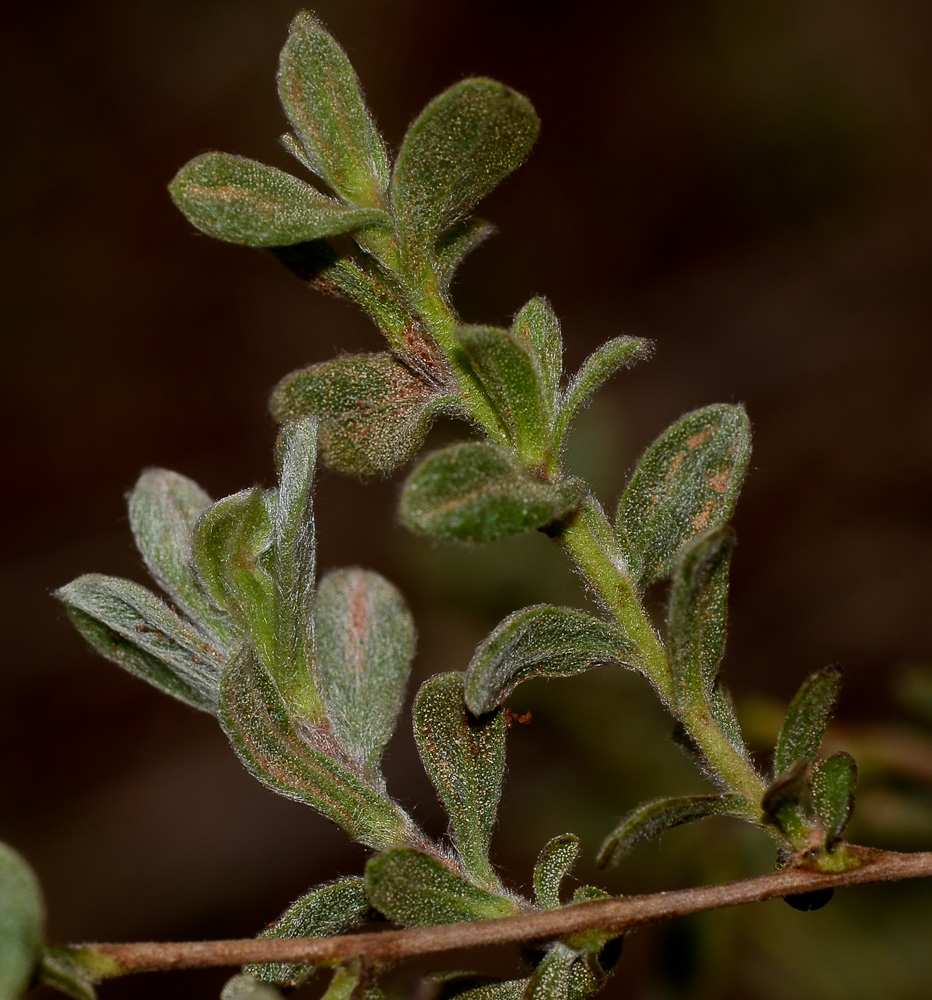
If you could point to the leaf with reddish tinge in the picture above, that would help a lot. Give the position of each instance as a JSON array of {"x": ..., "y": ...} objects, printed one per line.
[
  {"x": 687, "y": 482},
  {"x": 240, "y": 200},
  {"x": 320, "y": 93},
  {"x": 462, "y": 145},
  {"x": 373, "y": 410},
  {"x": 299, "y": 760},
  {"x": 363, "y": 646}
]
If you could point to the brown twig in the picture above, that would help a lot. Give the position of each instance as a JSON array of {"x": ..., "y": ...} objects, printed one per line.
[{"x": 620, "y": 914}]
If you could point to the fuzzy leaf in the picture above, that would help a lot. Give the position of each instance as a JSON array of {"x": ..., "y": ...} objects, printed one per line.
[
  {"x": 782, "y": 801},
  {"x": 508, "y": 377},
  {"x": 298, "y": 760},
  {"x": 831, "y": 787},
  {"x": 566, "y": 973},
  {"x": 71, "y": 972},
  {"x": 364, "y": 647},
  {"x": 551, "y": 979},
  {"x": 458, "y": 241},
  {"x": 415, "y": 890},
  {"x": 294, "y": 557},
  {"x": 697, "y": 614},
  {"x": 352, "y": 982},
  {"x": 323, "y": 267},
  {"x": 555, "y": 860},
  {"x": 472, "y": 986},
  {"x": 478, "y": 492},
  {"x": 325, "y": 912},
  {"x": 232, "y": 548},
  {"x": 465, "y": 759},
  {"x": 163, "y": 507},
  {"x": 540, "y": 641},
  {"x": 131, "y": 627},
  {"x": 808, "y": 715},
  {"x": 239, "y": 200},
  {"x": 685, "y": 483},
  {"x": 373, "y": 410},
  {"x": 320, "y": 93},
  {"x": 463, "y": 144},
  {"x": 654, "y": 818},
  {"x": 22, "y": 924},
  {"x": 596, "y": 370},
  {"x": 242, "y": 986},
  {"x": 538, "y": 329},
  {"x": 588, "y": 893}
]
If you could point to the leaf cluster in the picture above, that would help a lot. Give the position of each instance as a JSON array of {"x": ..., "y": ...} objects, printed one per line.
[{"x": 307, "y": 675}]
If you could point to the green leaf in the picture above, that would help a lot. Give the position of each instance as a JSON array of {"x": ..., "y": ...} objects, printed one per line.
[
  {"x": 320, "y": 93},
  {"x": 551, "y": 979},
  {"x": 465, "y": 759},
  {"x": 242, "y": 986},
  {"x": 298, "y": 760},
  {"x": 808, "y": 715},
  {"x": 324, "y": 912},
  {"x": 463, "y": 144},
  {"x": 352, "y": 982},
  {"x": 363, "y": 651},
  {"x": 131, "y": 627},
  {"x": 415, "y": 890},
  {"x": 589, "y": 893},
  {"x": 22, "y": 924},
  {"x": 323, "y": 267},
  {"x": 163, "y": 507},
  {"x": 508, "y": 377},
  {"x": 538, "y": 329},
  {"x": 831, "y": 787},
  {"x": 555, "y": 860},
  {"x": 783, "y": 801},
  {"x": 74, "y": 971},
  {"x": 293, "y": 556},
  {"x": 239, "y": 200},
  {"x": 651, "y": 819},
  {"x": 472, "y": 986},
  {"x": 697, "y": 615},
  {"x": 63, "y": 971},
  {"x": 478, "y": 492},
  {"x": 566, "y": 974},
  {"x": 233, "y": 547},
  {"x": 596, "y": 370},
  {"x": 686, "y": 483},
  {"x": 373, "y": 410},
  {"x": 541, "y": 641},
  {"x": 458, "y": 241}
]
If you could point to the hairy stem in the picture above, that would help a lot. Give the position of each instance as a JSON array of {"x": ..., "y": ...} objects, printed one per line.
[
  {"x": 615, "y": 915},
  {"x": 589, "y": 544}
]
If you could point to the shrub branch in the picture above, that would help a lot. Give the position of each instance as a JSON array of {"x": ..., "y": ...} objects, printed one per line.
[{"x": 382, "y": 948}]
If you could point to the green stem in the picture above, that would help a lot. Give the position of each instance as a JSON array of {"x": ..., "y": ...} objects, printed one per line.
[
  {"x": 589, "y": 540},
  {"x": 586, "y": 538},
  {"x": 441, "y": 322}
]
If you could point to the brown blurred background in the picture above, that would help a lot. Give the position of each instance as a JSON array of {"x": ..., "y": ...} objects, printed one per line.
[{"x": 746, "y": 183}]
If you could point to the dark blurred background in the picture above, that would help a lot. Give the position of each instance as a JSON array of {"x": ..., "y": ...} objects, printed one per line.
[{"x": 746, "y": 183}]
